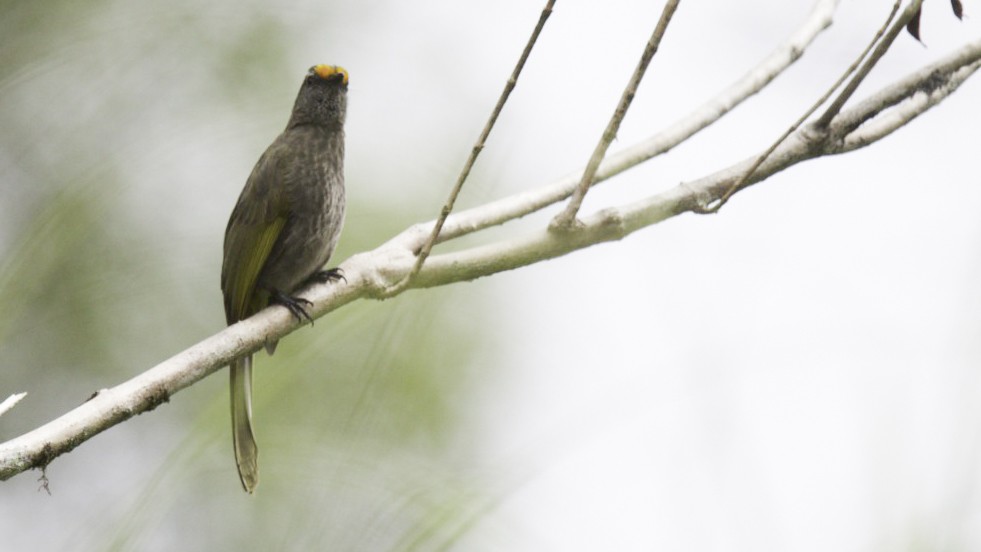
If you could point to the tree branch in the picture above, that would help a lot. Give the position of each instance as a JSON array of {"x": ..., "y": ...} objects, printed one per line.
[
  {"x": 369, "y": 274},
  {"x": 427, "y": 247},
  {"x": 516, "y": 206},
  {"x": 913, "y": 96},
  {"x": 567, "y": 218},
  {"x": 866, "y": 68},
  {"x": 759, "y": 160},
  {"x": 10, "y": 402}
]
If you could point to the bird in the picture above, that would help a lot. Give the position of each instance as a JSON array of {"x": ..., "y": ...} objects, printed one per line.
[{"x": 283, "y": 230}]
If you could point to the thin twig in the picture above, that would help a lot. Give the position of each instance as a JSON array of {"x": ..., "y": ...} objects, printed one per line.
[
  {"x": 736, "y": 186},
  {"x": 880, "y": 51},
  {"x": 566, "y": 219},
  {"x": 10, "y": 401},
  {"x": 427, "y": 247}
]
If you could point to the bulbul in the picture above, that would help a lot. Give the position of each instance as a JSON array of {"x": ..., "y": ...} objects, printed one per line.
[{"x": 283, "y": 230}]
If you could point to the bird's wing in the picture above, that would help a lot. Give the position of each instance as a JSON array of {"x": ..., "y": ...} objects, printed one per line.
[{"x": 255, "y": 225}]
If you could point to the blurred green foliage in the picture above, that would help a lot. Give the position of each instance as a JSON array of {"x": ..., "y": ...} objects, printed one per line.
[{"x": 128, "y": 130}]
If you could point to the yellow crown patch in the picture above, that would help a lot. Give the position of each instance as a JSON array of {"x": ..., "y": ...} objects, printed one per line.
[{"x": 327, "y": 71}]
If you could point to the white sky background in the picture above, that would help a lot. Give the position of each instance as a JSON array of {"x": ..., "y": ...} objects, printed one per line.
[{"x": 798, "y": 372}]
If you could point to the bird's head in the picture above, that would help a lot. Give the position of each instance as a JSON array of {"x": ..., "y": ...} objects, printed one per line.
[{"x": 322, "y": 99}]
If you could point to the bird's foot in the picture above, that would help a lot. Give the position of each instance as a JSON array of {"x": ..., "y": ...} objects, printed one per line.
[
  {"x": 329, "y": 275},
  {"x": 296, "y": 305}
]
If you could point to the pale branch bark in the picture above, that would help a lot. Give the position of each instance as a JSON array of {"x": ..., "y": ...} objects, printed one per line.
[
  {"x": 10, "y": 401},
  {"x": 932, "y": 88},
  {"x": 905, "y": 112},
  {"x": 807, "y": 114},
  {"x": 929, "y": 86},
  {"x": 866, "y": 68},
  {"x": 369, "y": 274},
  {"x": 566, "y": 219}
]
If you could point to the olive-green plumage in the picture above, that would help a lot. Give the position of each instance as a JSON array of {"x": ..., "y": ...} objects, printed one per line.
[{"x": 283, "y": 230}]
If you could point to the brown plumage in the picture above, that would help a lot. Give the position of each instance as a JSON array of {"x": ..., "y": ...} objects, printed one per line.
[{"x": 284, "y": 229}]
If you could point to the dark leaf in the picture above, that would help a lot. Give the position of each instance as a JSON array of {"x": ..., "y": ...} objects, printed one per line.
[
  {"x": 914, "y": 25},
  {"x": 958, "y": 8}
]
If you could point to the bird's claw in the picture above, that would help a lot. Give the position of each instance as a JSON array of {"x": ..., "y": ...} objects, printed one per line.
[
  {"x": 296, "y": 305},
  {"x": 329, "y": 275}
]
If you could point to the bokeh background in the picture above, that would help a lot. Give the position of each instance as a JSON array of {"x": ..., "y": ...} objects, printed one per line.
[{"x": 799, "y": 372}]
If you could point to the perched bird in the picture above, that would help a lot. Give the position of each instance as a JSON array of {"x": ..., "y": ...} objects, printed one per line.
[{"x": 283, "y": 230}]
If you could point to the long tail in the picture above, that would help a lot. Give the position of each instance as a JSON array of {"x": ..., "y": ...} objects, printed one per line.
[{"x": 246, "y": 450}]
